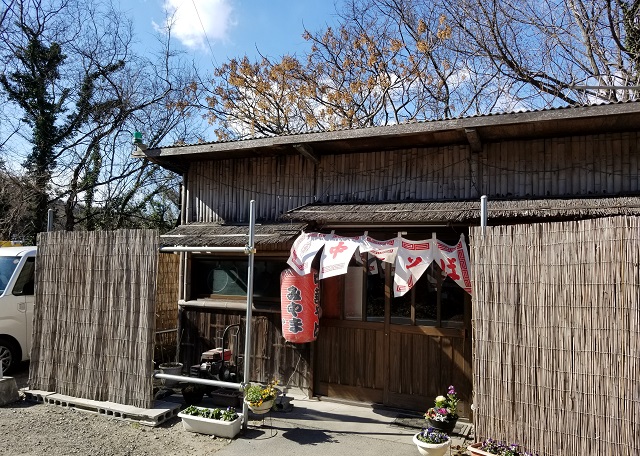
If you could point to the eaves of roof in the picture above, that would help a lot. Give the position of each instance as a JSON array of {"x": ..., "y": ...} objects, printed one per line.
[
  {"x": 565, "y": 121},
  {"x": 268, "y": 237},
  {"x": 462, "y": 212}
]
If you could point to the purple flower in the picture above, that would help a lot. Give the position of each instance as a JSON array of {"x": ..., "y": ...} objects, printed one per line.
[{"x": 452, "y": 390}]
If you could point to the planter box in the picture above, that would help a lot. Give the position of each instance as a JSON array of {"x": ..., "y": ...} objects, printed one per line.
[
  {"x": 227, "y": 398},
  {"x": 219, "y": 428},
  {"x": 474, "y": 449}
]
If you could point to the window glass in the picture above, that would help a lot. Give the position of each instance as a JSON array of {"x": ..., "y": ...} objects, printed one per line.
[
  {"x": 452, "y": 302},
  {"x": 375, "y": 289},
  {"x": 227, "y": 277},
  {"x": 25, "y": 281},
  {"x": 426, "y": 291},
  {"x": 401, "y": 309},
  {"x": 7, "y": 266},
  {"x": 353, "y": 293}
]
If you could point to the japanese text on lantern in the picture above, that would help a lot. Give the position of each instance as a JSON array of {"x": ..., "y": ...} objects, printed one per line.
[{"x": 294, "y": 308}]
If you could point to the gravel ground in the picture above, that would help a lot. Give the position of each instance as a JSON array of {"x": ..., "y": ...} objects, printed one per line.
[{"x": 40, "y": 429}]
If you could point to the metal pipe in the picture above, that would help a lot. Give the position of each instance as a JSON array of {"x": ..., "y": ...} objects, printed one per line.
[
  {"x": 50, "y": 220},
  {"x": 199, "y": 381},
  {"x": 247, "y": 335},
  {"x": 483, "y": 213},
  {"x": 203, "y": 249},
  {"x": 179, "y": 332}
]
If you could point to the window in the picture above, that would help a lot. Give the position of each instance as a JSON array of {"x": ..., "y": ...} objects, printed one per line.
[
  {"x": 435, "y": 299},
  {"x": 25, "y": 282},
  {"x": 218, "y": 278},
  {"x": 375, "y": 288},
  {"x": 8, "y": 264}
]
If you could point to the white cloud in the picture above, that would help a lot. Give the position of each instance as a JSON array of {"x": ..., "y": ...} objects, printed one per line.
[{"x": 191, "y": 19}]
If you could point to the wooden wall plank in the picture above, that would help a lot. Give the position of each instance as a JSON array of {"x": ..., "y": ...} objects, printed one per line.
[{"x": 555, "y": 167}]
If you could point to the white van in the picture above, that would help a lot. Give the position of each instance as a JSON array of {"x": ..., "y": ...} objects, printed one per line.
[{"x": 17, "y": 266}]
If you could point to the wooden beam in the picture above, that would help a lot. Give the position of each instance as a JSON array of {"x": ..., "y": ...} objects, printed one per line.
[
  {"x": 474, "y": 139},
  {"x": 306, "y": 151}
]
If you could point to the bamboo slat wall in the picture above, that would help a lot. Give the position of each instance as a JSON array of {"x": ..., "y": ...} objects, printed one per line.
[
  {"x": 221, "y": 190},
  {"x": 557, "y": 335},
  {"x": 272, "y": 357},
  {"x": 166, "y": 307},
  {"x": 94, "y": 317},
  {"x": 592, "y": 165}
]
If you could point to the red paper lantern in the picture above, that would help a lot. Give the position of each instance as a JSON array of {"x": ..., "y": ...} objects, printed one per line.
[{"x": 300, "y": 306}]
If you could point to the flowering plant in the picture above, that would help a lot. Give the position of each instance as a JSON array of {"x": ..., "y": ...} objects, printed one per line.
[
  {"x": 446, "y": 407},
  {"x": 256, "y": 395},
  {"x": 503, "y": 449},
  {"x": 431, "y": 435}
]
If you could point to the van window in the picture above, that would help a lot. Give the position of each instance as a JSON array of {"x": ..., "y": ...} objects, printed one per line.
[
  {"x": 7, "y": 266},
  {"x": 26, "y": 280}
]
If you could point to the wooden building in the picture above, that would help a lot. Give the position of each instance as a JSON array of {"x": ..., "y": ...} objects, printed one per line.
[{"x": 421, "y": 179}]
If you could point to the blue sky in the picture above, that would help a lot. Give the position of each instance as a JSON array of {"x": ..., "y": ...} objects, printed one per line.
[{"x": 233, "y": 27}]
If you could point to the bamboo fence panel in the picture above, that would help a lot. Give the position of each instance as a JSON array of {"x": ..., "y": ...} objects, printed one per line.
[
  {"x": 556, "y": 315},
  {"x": 94, "y": 319},
  {"x": 167, "y": 308}
]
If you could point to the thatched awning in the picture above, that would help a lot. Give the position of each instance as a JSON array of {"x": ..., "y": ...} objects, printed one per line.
[
  {"x": 267, "y": 237},
  {"x": 467, "y": 212}
]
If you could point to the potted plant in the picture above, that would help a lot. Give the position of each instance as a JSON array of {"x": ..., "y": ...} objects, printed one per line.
[
  {"x": 490, "y": 447},
  {"x": 170, "y": 369},
  {"x": 432, "y": 442},
  {"x": 444, "y": 414},
  {"x": 260, "y": 398},
  {"x": 219, "y": 422}
]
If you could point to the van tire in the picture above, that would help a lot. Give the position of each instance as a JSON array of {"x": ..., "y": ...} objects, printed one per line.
[{"x": 10, "y": 355}]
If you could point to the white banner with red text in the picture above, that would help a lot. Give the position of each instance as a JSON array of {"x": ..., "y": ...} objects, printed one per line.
[{"x": 411, "y": 258}]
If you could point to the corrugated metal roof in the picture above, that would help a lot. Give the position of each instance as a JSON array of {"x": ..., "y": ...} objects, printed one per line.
[
  {"x": 409, "y": 122},
  {"x": 439, "y": 212},
  {"x": 267, "y": 237}
]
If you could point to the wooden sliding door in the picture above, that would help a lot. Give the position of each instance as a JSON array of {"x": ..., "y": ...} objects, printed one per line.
[{"x": 400, "y": 352}]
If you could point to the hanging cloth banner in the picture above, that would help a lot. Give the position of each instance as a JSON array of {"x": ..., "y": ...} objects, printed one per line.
[
  {"x": 454, "y": 261},
  {"x": 383, "y": 250},
  {"x": 414, "y": 257},
  {"x": 336, "y": 255},
  {"x": 304, "y": 250}
]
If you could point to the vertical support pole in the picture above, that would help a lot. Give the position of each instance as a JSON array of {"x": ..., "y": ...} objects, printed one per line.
[
  {"x": 247, "y": 335},
  {"x": 483, "y": 213},
  {"x": 49, "y": 221},
  {"x": 179, "y": 333}
]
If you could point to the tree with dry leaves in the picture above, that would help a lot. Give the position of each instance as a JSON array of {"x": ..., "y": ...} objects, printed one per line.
[{"x": 391, "y": 61}]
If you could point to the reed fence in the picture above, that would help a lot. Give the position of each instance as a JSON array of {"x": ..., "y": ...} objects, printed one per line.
[
  {"x": 556, "y": 310},
  {"x": 167, "y": 308},
  {"x": 94, "y": 319}
]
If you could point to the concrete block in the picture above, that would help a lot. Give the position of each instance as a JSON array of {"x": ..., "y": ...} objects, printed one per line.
[
  {"x": 161, "y": 412},
  {"x": 8, "y": 390}
]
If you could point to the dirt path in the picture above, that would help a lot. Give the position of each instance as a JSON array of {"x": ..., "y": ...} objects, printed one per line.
[{"x": 40, "y": 429}]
